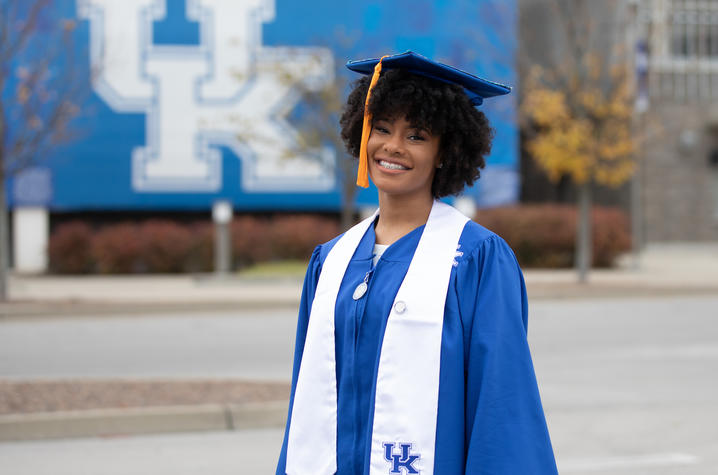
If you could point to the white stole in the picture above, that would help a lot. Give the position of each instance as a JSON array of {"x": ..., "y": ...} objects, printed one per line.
[{"x": 407, "y": 387}]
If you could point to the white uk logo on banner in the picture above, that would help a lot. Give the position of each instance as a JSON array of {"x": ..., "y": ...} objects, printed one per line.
[{"x": 230, "y": 90}]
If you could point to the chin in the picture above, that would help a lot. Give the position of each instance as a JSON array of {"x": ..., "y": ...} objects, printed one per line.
[
  {"x": 387, "y": 184},
  {"x": 395, "y": 189}
]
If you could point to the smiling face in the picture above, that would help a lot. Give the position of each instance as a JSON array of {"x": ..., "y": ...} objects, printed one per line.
[{"x": 402, "y": 158}]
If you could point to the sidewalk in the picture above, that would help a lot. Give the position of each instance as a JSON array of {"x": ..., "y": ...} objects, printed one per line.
[
  {"x": 662, "y": 269},
  {"x": 35, "y": 410},
  {"x": 46, "y": 295},
  {"x": 684, "y": 268}
]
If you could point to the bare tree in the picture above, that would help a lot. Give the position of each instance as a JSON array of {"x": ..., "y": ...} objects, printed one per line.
[
  {"x": 41, "y": 88},
  {"x": 320, "y": 126}
]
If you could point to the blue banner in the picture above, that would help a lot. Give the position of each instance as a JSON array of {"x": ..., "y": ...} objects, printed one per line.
[{"x": 198, "y": 100}]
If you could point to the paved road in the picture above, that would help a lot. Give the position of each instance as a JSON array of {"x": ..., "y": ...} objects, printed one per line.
[
  {"x": 256, "y": 345},
  {"x": 203, "y": 453},
  {"x": 254, "y": 453},
  {"x": 629, "y": 385}
]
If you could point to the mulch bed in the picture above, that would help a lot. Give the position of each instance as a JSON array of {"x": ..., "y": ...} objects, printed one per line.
[{"x": 67, "y": 395}]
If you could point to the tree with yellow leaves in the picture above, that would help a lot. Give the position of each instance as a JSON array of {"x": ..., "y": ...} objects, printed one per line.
[
  {"x": 583, "y": 132},
  {"x": 577, "y": 119}
]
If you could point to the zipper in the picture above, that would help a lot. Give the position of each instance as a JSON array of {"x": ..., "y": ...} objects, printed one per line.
[{"x": 359, "y": 309}]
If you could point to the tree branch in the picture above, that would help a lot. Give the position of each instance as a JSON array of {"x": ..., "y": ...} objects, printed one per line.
[{"x": 14, "y": 44}]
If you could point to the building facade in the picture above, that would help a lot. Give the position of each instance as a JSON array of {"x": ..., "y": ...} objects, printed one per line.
[
  {"x": 674, "y": 193},
  {"x": 195, "y": 102},
  {"x": 678, "y": 119}
]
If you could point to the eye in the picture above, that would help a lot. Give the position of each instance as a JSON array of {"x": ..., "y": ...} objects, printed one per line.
[
  {"x": 381, "y": 129},
  {"x": 417, "y": 135}
]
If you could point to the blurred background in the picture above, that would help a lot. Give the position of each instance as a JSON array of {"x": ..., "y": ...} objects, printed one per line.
[{"x": 168, "y": 166}]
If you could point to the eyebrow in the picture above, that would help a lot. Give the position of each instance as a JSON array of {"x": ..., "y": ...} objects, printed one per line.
[
  {"x": 415, "y": 127},
  {"x": 421, "y": 129}
]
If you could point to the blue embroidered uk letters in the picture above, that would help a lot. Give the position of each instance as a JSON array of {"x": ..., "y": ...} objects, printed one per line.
[{"x": 402, "y": 460}]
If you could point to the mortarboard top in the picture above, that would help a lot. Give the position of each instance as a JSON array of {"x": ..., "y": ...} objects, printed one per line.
[{"x": 476, "y": 88}]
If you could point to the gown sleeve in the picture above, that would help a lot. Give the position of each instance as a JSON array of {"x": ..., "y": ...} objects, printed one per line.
[
  {"x": 506, "y": 430},
  {"x": 310, "y": 285}
]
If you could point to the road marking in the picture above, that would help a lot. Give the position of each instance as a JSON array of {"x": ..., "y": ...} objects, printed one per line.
[
  {"x": 648, "y": 460},
  {"x": 698, "y": 351}
]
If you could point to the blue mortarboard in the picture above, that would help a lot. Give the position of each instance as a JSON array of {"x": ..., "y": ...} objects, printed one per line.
[{"x": 476, "y": 88}]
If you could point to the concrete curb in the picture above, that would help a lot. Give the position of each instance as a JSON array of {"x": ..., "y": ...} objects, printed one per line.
[
  {"x": 39, "y": 308},
  {"x": 536, "y": 291},
  {"x": 144, "y": 420}
]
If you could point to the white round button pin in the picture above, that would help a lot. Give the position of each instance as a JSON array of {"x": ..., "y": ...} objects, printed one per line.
[{"x": 400, "y": 306}]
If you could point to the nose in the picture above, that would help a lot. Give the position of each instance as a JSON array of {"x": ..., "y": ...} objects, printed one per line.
[{"x": 393, "y": 144}]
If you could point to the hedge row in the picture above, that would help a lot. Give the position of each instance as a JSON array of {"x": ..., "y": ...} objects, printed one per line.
[
  {"x": 541, "y": 236},
  {"x": 545, "y": 235},
  {"x": 160, "y": 246}
]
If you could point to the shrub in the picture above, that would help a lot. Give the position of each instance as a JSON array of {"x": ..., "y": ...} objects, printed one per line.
[
  {"x": 611, "y": 236},
  {"x": 118, "y": 249},
  {"x": 280, "y": 237},
  {"x": 69, "y": 249},
  {"x": 251, "y": 241},
  {"x": 200, "y": 255},
  {"x": 541, "y": 236},
  {"x": 545, "y": 235},
  {"x": 295, "y": 237},
  {"x": 165, "y": 245}
]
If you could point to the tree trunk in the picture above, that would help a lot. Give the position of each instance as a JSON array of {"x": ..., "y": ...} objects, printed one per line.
[
  {"x": 584, "y": 245},
  {"x": 636, "y": 221},
  {"x": 637, "y": 233},
  {"x": 347, "y": 215},
  {"x": 349, "y": 190},
  {"x": 4, "y": 240}
]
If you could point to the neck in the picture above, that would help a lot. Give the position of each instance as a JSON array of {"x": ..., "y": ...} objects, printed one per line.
[{"x": 399, "y": 215}]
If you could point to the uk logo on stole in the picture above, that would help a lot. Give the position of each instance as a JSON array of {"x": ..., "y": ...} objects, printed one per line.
[
  {"x": 402, "y": 462},
  {"x": 228, "y": 91}
]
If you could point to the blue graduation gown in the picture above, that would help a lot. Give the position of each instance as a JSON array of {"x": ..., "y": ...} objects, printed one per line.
[{"x": 490, "y": 419}]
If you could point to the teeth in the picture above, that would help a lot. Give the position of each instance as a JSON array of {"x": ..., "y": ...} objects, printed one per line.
[{"x": 391, "y": 166}]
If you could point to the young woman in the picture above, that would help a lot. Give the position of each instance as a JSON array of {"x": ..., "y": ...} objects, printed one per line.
[{"x": 411, "y": 352}]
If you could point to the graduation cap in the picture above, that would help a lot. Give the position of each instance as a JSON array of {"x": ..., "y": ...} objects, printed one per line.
[{"x": 476, "y": 88}]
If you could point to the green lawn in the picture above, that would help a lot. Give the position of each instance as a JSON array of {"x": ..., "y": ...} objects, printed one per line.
[{"x": 276, "y": 269}]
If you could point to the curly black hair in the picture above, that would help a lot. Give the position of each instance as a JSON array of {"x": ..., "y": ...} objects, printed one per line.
[{"x": 442, "y": 109}]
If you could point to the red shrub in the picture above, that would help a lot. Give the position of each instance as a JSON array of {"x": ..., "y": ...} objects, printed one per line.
[
  {"x": 545, "y": 235},
  {"x": 166, "y": 246},
  {"x": 611, "y": 235},
  {"x": 201, "y": 254},
  {"x": 69, "y": 248},
  {"x": 118, "y": 249},
  {"x": 295, "y": 237},
  {"x": 251, "y": 242}
]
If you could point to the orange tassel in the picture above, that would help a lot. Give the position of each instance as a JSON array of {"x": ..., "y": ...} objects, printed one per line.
[{"x": 363, "y": 172}]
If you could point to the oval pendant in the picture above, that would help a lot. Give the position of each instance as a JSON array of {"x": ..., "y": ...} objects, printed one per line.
[{"x": 360, "y": 291}]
